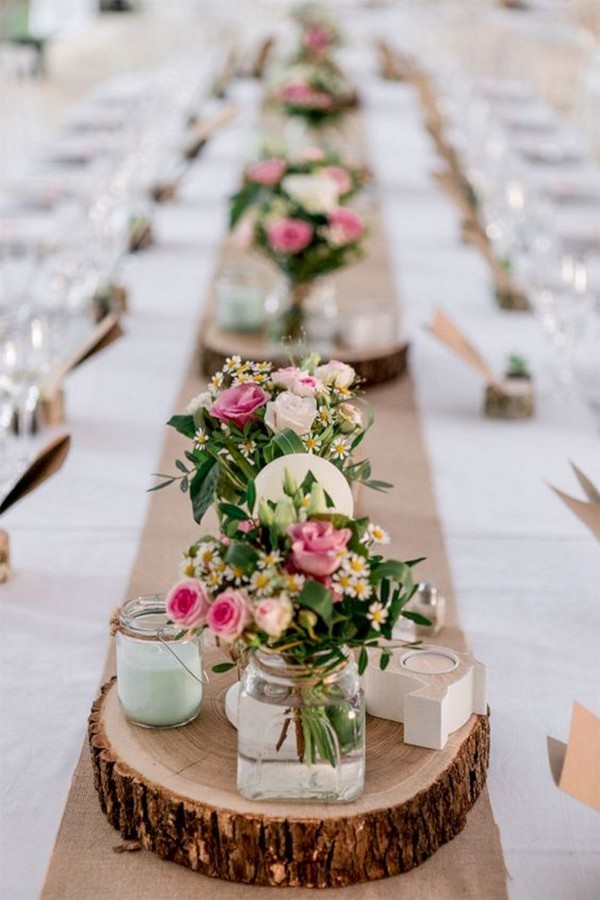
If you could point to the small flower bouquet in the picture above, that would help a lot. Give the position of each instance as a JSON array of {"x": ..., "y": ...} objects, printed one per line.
[
  {"x": 275, "y": 176},
  {"x": 318, "y": 93},
  {"x": 251, "y": 413},
  {"x": 297, "y": 587},
  {"x": 299, "y": 220}
]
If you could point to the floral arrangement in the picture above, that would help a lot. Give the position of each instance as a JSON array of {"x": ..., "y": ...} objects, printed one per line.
[
  {"x": 275, "y": 175},
  {"x": 295, "y": 580},
  {"x": 251, "y": 413},
  {"x": 316, "y": 92},
  {"x": 299, "y": 219}
]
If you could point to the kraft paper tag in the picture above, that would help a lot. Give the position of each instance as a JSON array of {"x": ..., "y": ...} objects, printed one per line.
[
  {"x": 205, "y": 129},
  {"x": 575, "y": 767},
  {"x": 47, "y": 463},
  {"x": 588, "y": 511},
  {"x": 444, "y": 329},
  {"x": 106, "y": 332}
]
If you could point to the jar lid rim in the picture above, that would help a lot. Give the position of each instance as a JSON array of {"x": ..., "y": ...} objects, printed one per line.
[{"x": 135, "y": 613}]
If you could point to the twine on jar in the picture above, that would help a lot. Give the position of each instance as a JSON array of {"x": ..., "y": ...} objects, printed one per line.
[{"x": 116, "y": 627}]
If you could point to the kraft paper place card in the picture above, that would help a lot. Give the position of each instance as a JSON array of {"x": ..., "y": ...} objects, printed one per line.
[
  {"x": 106, "y": 332},
  {"x": 48, "y": 461},
  {"x": 576, "y": 766},
  {"x": 588, "y": 511},
  {"x": 445, "y": 330}
]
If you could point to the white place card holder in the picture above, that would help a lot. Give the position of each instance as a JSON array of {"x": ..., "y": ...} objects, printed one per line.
[{"x": 432, "y": 690}]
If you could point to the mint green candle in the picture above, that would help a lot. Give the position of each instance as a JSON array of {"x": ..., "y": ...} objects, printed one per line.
[{"x": 159, "y": 677}]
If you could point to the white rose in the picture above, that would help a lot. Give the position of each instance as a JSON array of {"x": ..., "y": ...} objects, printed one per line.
[
  {"x": 273, "y": 615},
  {"x": 285, "y": 377},
  {"x": 290, "y": 411},
  {"x": 316, "y": 193},
  {"x": 336, "y": 373},
  {"x": 202, "y": 401}
]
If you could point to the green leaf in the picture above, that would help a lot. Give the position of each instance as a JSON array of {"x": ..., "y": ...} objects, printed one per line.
[
  {"x": 242, "y": 556},
  {"x": 392, "y": 569},
  {"x": 233, "y": 512},
  {"x": 202, "y": 488},
  {"x": 240, "y": 202},
  {"x": 415, "y": 617},
  {"x": 385, "y": 659},
  {"x": 183, "y": 424},
  {"x": 184, "y": 484},
  {"x": 223, "y": 667},
  {"x": 251, "y": 496},
  {"x": 163, "y": 484},
  {"x": 363, "y": 660},
  {"x": 377, "y": 485},
  {"x": 286, "y": 442},
  {"x": 317, "y": 597},
  {"x": 181, "y": 466}
]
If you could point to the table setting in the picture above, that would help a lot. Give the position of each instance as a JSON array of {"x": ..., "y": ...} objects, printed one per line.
[{"x": 296, "y": 603}]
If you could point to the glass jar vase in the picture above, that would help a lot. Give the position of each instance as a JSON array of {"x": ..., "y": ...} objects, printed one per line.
[
  {"x": 302, "y": 314},
  {"x": 301, "y": 730},
  {"x": 159, "y": 674}
]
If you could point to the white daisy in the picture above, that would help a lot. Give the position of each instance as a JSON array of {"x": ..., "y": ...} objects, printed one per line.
[
  {"x": 216, "y": 381},
  {"x": 377, "y": 534},
  {"x": 356, "y": 565},
  {"x": 340, "y": 448},
  {"x": 269, "y": 559},
  {"x": 247, "y": 448},
  {"x": 343, "y": 580},
  {"x": 232, "y": 363},
  {"x": 294, "y": 582},
  {"x": 260, "y": 583},
  {"x": 312, "y": 444},
  {"x": 361, "y": 589},
  {"x": 201, "y": 438},
  {"x": 377, "y": 614}
]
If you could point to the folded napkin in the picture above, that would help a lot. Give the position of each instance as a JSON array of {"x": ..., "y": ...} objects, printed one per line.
[
  {"x": 588, "y": 511},
  {"x": 575, "y": 766},
  {"x": 105, "y": 333},
  {"x": 48, "y": 461}
]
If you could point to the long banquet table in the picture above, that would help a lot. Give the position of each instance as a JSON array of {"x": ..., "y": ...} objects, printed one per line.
[{"x": 525, "y": 571}]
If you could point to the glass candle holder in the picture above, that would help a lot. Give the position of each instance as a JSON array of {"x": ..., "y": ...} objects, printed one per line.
[
  {"x": 159, "y": 675},
  {"x": 241, "y": 292}
]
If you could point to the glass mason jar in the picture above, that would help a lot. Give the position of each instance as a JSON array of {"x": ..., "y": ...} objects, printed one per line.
[
  {"x": 159, "y": 676},
  {"x": 241, "y": 292},
  {"x": 301, "y": 313},
  {"x": 301, "y": 731}
]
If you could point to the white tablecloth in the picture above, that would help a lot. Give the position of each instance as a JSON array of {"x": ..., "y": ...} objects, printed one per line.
[{"x": 526, "y": 572}]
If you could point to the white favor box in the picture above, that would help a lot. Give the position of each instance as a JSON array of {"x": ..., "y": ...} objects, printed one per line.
[{"x": 432, "y": 690}]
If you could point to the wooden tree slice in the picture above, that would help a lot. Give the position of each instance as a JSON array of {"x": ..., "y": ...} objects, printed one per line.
[
  {"x": 175, "y": 792},
  {"x": 374, "y": 367}
]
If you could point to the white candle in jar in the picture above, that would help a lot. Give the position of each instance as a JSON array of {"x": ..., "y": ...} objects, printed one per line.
[{"x": 159, "y": 684}]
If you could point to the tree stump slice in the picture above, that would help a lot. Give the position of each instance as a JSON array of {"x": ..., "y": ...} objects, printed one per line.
[
  {"x": 373, "y": 366},
  {"x": 174, "y": 791}
]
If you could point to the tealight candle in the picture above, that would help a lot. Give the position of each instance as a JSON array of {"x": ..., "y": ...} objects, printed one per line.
[
  {"x": 159, "y": 677},
  {"x": 429, "y": 662}
]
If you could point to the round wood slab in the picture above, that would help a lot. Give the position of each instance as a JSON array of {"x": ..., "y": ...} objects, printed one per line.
[
  {"x": 174, "y": 791},
  {"x": 374, "y": 366}
]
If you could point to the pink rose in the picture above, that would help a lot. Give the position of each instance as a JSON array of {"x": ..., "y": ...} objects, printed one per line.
[
  {"x": 273, "y": 615},
  {"x": 305, "y": 385},
  {"x": 285, "y": 377},
  {"x": 346, "y": 226},
  {"x": 238, "y": 404},
  {"x": 187, "y": 603},
  {"x": 340, "y": 177},
  {"x": 229, "y": 615},
  {"x": 296, "y": 92},
  {"x": 316, "y": 38},
  {"x": 317, "y": 546},
  {"x": 313, "y": 154},
  {"x": 267, "y": 171},
  {"x": 290, "y": 235}
]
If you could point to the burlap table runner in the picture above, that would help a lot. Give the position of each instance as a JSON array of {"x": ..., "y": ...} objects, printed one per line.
[{"x": 84, "y": 863}]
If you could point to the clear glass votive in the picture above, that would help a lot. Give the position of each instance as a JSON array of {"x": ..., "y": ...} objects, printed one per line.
[
  {"x": 241, "y": 292},
  {"x": 159, "y": 675}
]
